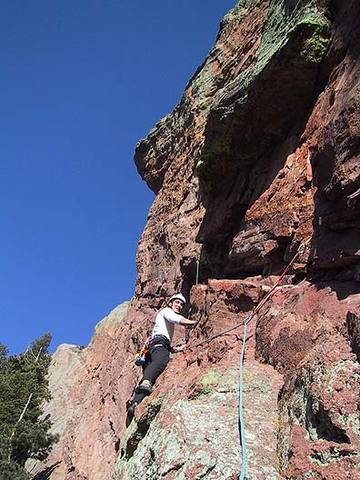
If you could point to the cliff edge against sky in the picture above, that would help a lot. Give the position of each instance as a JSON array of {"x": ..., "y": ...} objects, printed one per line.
[{"x": 257, "y": 163}]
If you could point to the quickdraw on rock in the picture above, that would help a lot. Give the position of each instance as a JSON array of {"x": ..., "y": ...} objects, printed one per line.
[{"x": 142, "y": 357}]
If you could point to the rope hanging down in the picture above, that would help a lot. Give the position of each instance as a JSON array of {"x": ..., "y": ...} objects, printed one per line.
[
  {"x": 241, "y": 372},
  {"x": 244, "y": 323},
  {"x": 241, "y": 422}
]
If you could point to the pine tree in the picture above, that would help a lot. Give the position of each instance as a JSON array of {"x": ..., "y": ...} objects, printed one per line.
[{"x": 24, "y": 432}]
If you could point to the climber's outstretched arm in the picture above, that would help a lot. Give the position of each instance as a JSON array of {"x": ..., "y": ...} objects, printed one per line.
[{"x": 186, "y": 322}]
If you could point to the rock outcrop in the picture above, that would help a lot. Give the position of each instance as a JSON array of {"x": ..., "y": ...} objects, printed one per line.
[{"x": 259, "y": 162}]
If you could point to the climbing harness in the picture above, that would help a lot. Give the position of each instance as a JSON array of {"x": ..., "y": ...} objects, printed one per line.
[{"x": 142, "y": 357}]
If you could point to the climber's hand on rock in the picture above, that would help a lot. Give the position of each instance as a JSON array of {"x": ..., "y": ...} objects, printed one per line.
[{"x": 179, "y": 349}]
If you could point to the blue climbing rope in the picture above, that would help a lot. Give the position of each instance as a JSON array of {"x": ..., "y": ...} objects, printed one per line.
[
  {"x": 241, "y": 408},
  {"x": 242, "y": 474},
  {"x": 247, "y": 319}
]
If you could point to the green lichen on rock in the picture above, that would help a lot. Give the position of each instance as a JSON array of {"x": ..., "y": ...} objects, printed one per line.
[
  {"x": 244, "y": 7},
  {"x": 154, "y": 406},
  {"x": 139, "y": 428},
  {"x": 249, "y": 3},
  {"x": 229, "y": 381},
  {"x": 206, "y": 385},
  {"x": 311, "y": 474},
  {"x": 256, "y": 385},
  {"x": 315, "y": 47},
  {"x": 294, "y": 40}
]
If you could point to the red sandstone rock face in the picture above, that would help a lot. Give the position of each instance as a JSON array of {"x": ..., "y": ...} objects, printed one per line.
[
  {"x": 273, "y": 186},
  {"x": 167, "y": 158},
  {"x": 259, "y": 160},
  {"x": 188, "y": 426},
  {"x": 89, "y": 389},
  {"x": 306, "y": 334}
]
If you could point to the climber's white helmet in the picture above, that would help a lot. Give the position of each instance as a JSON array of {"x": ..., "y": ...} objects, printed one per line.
[{"x": 178, "y": 296}]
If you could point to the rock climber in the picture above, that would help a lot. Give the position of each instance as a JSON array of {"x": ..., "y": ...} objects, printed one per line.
[{"x": 160, "y": 348}]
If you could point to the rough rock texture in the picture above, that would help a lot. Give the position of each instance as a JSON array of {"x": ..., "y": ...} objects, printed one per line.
[
  {"x": 257, "y": 163},
  {"x": 188, "y": 428},
  {"x": 197, "y": 437},
  {"x": 305, "y": 333},
  {"x": 87, "y": 400}
]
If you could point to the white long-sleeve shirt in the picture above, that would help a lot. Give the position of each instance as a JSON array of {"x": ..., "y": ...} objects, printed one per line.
[{"x": 165, "y": 321}]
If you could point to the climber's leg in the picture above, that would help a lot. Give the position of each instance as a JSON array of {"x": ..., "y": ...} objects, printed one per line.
[
  {"x": 139, "y": 397},
  {"x": 160, "y": 356}
]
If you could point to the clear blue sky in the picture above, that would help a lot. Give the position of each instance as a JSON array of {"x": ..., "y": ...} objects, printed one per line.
[{"x": 81, "y": 82}]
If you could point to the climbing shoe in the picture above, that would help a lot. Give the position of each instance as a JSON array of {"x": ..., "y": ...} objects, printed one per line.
[
  {"x": 145, "y": 387},
  {"x": 130, "y": 411}
]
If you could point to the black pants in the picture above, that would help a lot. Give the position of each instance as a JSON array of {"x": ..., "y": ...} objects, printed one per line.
[{"x": 159, "y": 358}]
